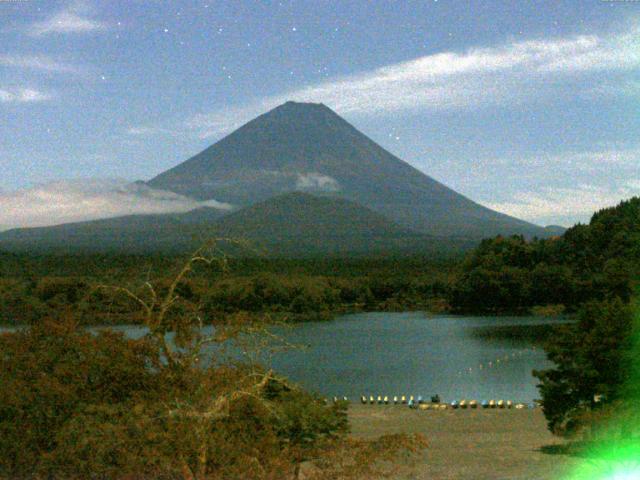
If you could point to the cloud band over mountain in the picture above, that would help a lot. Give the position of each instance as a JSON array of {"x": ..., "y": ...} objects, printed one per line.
[{"x": 88, "y": 199}]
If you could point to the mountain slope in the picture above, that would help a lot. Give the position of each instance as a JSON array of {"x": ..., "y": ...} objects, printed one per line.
[
  {"x": 131, "y": 233},
  {"x": 290, "y": 225},
  {"x": 300, "y": 224},
  {"x": 308, "y": 147}
]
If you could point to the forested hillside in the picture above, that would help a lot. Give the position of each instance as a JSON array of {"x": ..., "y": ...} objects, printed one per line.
[
  {"x": 32, "y": 287},
  {"x": 588, "y": 262}
]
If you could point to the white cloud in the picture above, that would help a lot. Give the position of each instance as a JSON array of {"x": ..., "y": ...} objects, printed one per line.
[
  {"x": 512, "y": 73},
  {"x": 569, "y": 165},
  {"x": 74, "y": 18},
  {"x": 39, "y": 62},
  {"x": 87, "y": 199},
  {"x": 23, "y": 95},
  {"x": 565, "y": 206},
  {"x": 143, "y": 131},
  {"x": 147, "y": 131},
  {"x": 561, "y": 187},
  {"x": 316, "y": 182}
]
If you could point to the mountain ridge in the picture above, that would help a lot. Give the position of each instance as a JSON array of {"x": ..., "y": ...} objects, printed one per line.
[{"x": 308, "y": 147}]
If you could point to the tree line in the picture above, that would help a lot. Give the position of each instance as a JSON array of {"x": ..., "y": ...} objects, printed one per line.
[
  {"x": 588, "y": 262},
  {"x": 291, "y": 290}
]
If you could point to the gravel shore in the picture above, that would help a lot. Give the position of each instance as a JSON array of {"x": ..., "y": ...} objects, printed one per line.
[{"x": 491, "y": 444}]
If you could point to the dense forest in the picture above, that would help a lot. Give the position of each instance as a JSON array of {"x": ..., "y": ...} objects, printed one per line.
[
  {"x": 588, "y": 262},
  {"x": 293, "y": 290},
  {"x": 593, "y": 272}
]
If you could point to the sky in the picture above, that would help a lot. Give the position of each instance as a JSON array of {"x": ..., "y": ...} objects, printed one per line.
[{"x": 529, "y": 107}]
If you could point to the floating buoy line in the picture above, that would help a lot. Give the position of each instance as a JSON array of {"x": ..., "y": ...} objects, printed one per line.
[
  {"x": 497, "y": 361},
  {"x": 421, "y": 403},
  {"x": 434, "y": 403}
]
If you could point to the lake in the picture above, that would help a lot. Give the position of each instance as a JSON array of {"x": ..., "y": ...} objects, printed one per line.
[{"x": 414, "y": 353}]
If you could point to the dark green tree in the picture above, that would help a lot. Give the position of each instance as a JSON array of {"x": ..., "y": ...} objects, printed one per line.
[{"x": 591, "y": 363}]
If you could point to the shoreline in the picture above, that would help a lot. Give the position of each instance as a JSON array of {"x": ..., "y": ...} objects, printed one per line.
[{"x": 330, "y": 316}]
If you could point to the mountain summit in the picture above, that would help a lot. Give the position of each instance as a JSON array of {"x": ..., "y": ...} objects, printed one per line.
[
  {"x": 304, "y": 182},
  {"x": 308, "y": 147}
]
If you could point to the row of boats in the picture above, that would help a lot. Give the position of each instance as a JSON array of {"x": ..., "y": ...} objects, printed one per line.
[{"x": 436, "y": 404}]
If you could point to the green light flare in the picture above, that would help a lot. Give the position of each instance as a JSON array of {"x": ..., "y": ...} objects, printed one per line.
[
  {"x": 616, "y": 461},
  {"x": 614, "y": 457}
]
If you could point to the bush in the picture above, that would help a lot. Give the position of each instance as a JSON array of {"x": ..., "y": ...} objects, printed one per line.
[{"x": 77, "y": 405}]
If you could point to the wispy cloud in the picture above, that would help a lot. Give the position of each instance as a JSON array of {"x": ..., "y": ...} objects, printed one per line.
[
  {"x": 87, "y": 199},
  {"x": 146, "y": 131},
  {"x": 544, "y": 188},
  {"x": 143, "y": 131},
  {"x": 565, "y": 205},
  {"x": 316, "y": 182},
  {"x": 39, "y": 63},
  {"x": 507, "y": 74},
  {"x": 75, "y": 18},
  {"x": 23, "y": 95}
]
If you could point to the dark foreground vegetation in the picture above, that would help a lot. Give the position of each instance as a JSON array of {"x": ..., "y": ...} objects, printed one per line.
[{"x": 76, "y": 404}]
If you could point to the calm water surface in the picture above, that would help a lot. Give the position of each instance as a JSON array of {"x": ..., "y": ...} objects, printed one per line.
[{"x": 413, "y": 354}]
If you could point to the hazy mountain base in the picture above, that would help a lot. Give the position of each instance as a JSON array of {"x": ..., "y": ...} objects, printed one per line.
[{"x": 295, "y": 225}]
